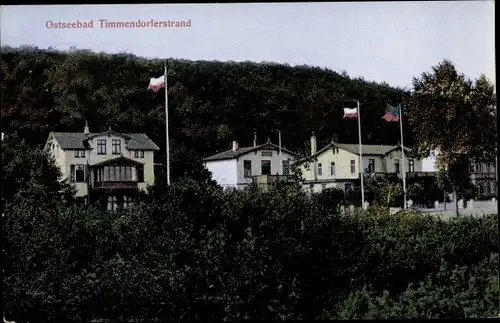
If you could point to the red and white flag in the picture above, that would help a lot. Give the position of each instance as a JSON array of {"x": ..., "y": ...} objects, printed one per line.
[
  {"x": 350, "y": 113},
  {"x": 156, "y": 84}
]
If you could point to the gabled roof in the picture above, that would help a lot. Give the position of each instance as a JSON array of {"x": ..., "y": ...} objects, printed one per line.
[
  {"x": 109, "y": 133},
  {"x": 76, "y": 140},
  {"x": 117, "y": 160},
  {"x": 368, "y": 150},
  {"x": 231, "y": 154}
]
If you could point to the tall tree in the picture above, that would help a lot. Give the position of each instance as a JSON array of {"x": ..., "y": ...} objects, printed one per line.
[
  {"x": 30, "y": 175},
  {"x": 456, "y": 116}
]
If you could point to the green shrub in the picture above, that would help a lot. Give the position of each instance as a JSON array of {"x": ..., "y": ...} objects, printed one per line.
[{"x": 202, "y": 252}]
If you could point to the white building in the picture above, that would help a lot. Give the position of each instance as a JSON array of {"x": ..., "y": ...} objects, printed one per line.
[
  {"x": 337, "y": 165},
  {"x": 429, "y": 163},
  {"x": 483, "y": 174},
  {"x": 107, "y": 166},
  {"x": 238, "y": 167}
]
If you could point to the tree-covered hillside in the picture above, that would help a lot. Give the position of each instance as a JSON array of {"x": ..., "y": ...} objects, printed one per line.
[{"x": 210, "y": 103}]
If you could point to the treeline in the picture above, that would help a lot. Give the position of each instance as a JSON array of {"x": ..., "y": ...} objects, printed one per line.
[
  {"x": 210, "y": 103},
  {"x": 199, "y": 253}
]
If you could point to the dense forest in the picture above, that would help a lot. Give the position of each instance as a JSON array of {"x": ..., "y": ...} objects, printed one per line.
[{"x": 210, "y": 103}]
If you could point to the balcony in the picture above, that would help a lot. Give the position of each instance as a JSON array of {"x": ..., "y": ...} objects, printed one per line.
[
  {"x": 476, "y": 176},
  {"x": 269, "y": 179},
  {"x": 408, "y": 174},
  {"x": 114, "y": 185}
]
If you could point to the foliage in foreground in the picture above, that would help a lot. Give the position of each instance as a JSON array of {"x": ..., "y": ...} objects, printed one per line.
[{"x": 204, "y": 253}]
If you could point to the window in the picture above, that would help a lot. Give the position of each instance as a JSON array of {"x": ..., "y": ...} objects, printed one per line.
[
  {"x": 335, "y": 150},
  {"x": 371, "y": 165},
  {"x": 77, "y": 173},
  {"x": 112, "y": 203},
  {"x": 478, "y": 168},
  {"x": 127, "y": 201},
  {"x": 320, "y": 169},
  {"x": 247, "y": 168},
  {"x": 266, "y": 154},
  {"x": 471, "y": 168},
  {"x": 332, "y": 168},
  {"x": 285, "y": 167},
  {"x": 139, "y": 153},
  {"x": 353, "y": 167},
  {"x": 115, "y": 174},
  {"x": 411, "y": 166},
  {"x": 140, "y": 174},
  {"x": 116, "y": 147},
  {"x": 79, "y": 153},
  {"x": 72, "y": 173},
  {"x": 396, "y": 166},
  {"x": 101, "y": 146},
  {"x": 112, "y": 175},
  {"x": 265, "y": 167}
]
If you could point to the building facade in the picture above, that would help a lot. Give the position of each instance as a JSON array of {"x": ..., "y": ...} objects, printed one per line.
[
  {"x": 337, "y": 165},
  {"x": 484, "y": 177},
  {"x": 239, "y": 167},
  {"x": 108, "y": 167}
]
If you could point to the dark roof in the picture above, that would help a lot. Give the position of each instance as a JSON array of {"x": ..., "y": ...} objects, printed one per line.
[
  {"x": 373, "y": 150},
  {"x": 120, "y": 159},
  {"x": 230, "y": 154},
  {"x": 75, "y": 140}
]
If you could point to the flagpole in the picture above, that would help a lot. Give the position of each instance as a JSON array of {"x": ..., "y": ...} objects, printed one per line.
[
  {"x": 402, "y": 155},
  {"x": 361, "y": 159},
  {"x": 166, "y": 125},
  {"x": 279, "y": 140}
]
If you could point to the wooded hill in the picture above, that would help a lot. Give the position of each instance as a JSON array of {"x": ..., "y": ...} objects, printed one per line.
[{"x": 210, "y": 103}]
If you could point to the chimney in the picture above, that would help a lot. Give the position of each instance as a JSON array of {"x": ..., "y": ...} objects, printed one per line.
[
  {"x": 235, "y": 145},
  {"x": 255, "y": 139},
  {"x": 313, "y": 144},
  {"x": 86, "y": 128}
]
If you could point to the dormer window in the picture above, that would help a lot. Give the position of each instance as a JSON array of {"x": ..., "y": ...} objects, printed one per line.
[
  {"x": 116, "y": 147},
  {"x": 266, "y": 153},
  {"x": 139, "y": 154},
  {"x": 101, "y": 146}
]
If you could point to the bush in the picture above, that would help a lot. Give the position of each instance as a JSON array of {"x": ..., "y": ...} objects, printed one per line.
[
  {"x": 204, "y": 253},
  {"x": 452, "y": 292}
]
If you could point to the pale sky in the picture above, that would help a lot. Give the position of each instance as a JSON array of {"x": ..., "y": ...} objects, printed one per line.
[{"x": 386, "y": 41}]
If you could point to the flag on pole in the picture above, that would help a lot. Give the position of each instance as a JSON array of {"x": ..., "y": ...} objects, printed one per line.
[
  {"x": 391, "y": 114},
  {"x": 394, "y": 114},
  {"x": 156, "y": 83},
  {"x": 350, "y": 112},
  {"x": 356, "y": 113}
]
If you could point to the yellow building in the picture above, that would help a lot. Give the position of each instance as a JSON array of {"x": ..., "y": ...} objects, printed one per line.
[
  {"x": 337, "y": 165},
  {"x": 107, "y": 166}
]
